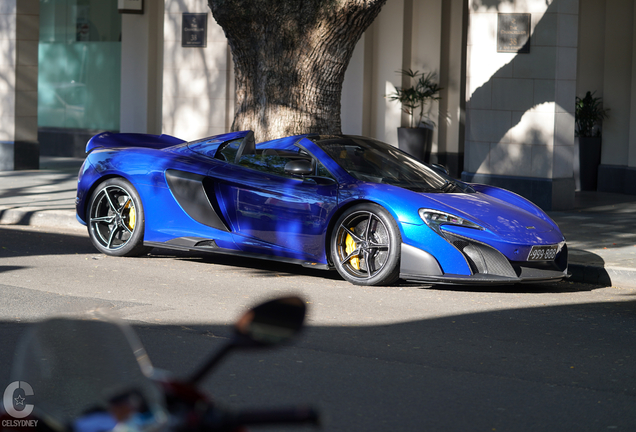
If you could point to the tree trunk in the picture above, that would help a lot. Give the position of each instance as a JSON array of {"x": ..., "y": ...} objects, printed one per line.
[{"x": 290, "y": 58}]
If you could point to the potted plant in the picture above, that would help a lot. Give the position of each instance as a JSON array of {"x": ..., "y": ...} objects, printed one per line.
[
  {"x": 589, "y": 115},
  {"x": 417, "y": 138}
]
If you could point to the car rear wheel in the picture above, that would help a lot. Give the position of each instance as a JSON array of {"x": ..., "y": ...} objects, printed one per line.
[
  {"x": 365, "y": 246},
  {"x": 116, "y": 219}
]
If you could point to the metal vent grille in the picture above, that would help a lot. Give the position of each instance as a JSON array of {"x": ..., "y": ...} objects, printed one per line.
[{"x": 482, "y": 258}]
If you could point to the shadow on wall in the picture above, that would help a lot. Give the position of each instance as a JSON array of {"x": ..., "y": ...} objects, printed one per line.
[
  {"x": 194, "y": 87},
  {"x": 511, "y": 117}
]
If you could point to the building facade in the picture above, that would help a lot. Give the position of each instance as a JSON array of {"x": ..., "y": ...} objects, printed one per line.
[{"x": 510, "y": 72}]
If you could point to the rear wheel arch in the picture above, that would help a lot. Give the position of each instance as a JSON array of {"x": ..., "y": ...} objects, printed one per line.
[{"x": 91, "y": 190}]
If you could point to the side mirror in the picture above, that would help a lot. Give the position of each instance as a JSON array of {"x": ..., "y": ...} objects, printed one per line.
[
  {"x": 440, "y": 168},
  {"x": 299, "y": 167}
]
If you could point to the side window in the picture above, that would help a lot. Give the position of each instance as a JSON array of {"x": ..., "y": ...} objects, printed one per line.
[
  {"x": 273, "y": 161},
  {"x": 321, "y": 170},
  {"x": 324, "y": 172},
  {"x": 269, "y": 162},
  {"x": 265, "y": 162}
]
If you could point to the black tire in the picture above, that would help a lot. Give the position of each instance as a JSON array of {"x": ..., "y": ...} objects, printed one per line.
[
  {"x": 116, "y": 219},
  {"x": 366, "y": 245}
]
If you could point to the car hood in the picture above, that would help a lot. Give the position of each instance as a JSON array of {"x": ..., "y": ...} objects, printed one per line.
[{"x": 492, "y": 213}]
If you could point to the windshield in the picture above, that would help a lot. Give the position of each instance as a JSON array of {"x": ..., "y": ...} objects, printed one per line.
[
  {"x": 80, "y": 368},
  {"x": 377, "y": 162}
]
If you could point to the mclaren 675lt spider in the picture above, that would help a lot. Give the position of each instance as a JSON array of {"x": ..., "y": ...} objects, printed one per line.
[{"x": 355, "y": 204}]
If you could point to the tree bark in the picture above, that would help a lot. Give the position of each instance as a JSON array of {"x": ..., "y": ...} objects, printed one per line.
[{"x": 290, "y": 58}]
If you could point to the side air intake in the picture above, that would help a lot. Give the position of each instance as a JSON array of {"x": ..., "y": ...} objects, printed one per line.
[
  {"x": 188, "y": 190},
  {"x": 481, "y": 257}
]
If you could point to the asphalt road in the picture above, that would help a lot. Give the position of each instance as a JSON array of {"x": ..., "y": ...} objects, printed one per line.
[{"x": 554, "y": 357}]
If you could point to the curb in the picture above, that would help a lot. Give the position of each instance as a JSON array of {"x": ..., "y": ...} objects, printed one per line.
[
  {"x": 36, "y": 217},
  {"x": 606, "y": 276}
]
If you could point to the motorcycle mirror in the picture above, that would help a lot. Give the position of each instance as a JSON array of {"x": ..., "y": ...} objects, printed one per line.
[
  {"x": 267, "y": 324},
  {"x": 270, "y": 323}
]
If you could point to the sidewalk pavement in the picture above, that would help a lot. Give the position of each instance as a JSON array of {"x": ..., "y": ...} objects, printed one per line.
[{"x": 601, "y": 230}]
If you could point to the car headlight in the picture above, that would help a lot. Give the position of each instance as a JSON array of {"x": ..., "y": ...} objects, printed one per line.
[{"x": 435, "y": 219}]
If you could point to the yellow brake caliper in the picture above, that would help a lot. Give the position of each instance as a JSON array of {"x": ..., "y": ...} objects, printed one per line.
[
  {"x": 350, "y": 247},
  {"x": 132, "y": 215}
]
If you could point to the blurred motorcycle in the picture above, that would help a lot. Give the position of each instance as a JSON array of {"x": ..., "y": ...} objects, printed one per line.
[{"x": 93, "y": 375}]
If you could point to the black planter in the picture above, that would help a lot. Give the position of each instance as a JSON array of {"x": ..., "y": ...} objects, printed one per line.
[
  {"x": 589, "y": 160},
  {"x": 416, "y": 142}
]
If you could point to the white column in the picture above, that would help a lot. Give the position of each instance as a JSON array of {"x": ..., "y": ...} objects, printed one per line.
[
  {"x": 197, "y": 101},
  {"x": 631, "y": 150},
  {"x": 19, "y": 148},
  {"x": 425, "y": 55},
  {"x": 351, "y": 104},
  {"x": 387, "y": 59},
  {"x": 452, "y": 76},
  {"x": 619, "y": 25},
  {"x": 141, "y": 69}
]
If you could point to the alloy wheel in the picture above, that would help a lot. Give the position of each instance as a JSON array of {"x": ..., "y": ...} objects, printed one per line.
[
  {"x": 113, "y": 217},
  {"x": 362, "y": 244}
]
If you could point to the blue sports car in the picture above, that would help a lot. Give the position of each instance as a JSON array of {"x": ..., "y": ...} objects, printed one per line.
[{"x": 355, "y": 204}]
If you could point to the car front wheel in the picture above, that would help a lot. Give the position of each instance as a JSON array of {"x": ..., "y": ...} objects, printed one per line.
[
  {"x": 365, "y": 246},
  {"x": 116, "y": 219}
]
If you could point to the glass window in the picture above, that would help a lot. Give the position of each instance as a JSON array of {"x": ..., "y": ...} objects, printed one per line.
[
  {"x": 377, "y": 162},
  {"x": 79, "y": 64},
  {"x": 274, "y": 162},
  {"x": 324, "y": 172}
]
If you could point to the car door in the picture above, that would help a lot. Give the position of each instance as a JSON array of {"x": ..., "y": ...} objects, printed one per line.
[{"x": 272, "y": 212}]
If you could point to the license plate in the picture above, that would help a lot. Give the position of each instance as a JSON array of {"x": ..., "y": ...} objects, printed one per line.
[{"x": 543, "y": 253}]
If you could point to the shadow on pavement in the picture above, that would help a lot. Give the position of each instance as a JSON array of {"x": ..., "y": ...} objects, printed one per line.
[
  {"x": 255, "y": 266},
  {"x": 566, "y": 368},
  {"x": 23, "y": 243},
  {"x": 565, "y": 286}
]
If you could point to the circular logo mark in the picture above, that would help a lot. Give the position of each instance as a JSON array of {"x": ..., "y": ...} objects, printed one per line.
[{"x": 10, "y": 402}]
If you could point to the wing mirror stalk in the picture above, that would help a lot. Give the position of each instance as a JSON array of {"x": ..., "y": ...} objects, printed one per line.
[{"x": 271, "y": 323}]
